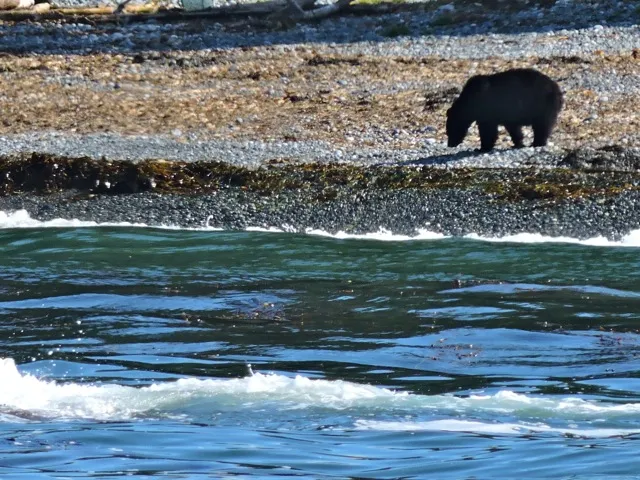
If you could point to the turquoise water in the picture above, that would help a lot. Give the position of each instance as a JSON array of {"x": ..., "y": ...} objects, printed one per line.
[{"x": 201, "y": 354}]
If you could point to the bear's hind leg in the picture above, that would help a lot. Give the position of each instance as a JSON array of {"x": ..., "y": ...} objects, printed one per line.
[
  {"x": 488, "y": 135},
  {"x": 541, "y": 133},
  {"x": 515, "y": 131}
]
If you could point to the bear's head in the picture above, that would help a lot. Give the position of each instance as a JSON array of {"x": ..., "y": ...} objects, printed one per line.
[{"x": 457, "y": 126}]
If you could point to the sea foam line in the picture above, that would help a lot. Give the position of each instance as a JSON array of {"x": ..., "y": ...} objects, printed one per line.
[
  {"x": 26, "y": 396},
  {"x": 486, "y": 428},
  {"x": 22, "y": 219}
]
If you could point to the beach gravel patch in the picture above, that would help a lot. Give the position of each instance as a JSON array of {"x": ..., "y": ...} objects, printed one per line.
[{"x": 176, "y": 123}]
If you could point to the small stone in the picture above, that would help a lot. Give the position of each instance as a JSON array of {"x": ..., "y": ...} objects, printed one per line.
[{"x": 448, "y": 8}]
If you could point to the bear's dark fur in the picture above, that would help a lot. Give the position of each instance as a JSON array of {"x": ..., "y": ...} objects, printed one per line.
[{"x": 513, "y": 98}]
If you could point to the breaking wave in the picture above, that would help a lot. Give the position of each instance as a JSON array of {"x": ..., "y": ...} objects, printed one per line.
[
  {"x": 22, "y": 219},
  {"x": 25, "y": 396}
]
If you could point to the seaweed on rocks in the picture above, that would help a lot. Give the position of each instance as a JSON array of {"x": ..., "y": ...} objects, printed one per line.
[{"x": 46, "y": 174}]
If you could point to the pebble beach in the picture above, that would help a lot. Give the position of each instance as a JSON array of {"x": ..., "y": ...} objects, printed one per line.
[{"x": 366, "y": 90}]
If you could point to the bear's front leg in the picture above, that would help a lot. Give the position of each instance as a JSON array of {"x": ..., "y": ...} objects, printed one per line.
[
  {"x": 488, "y": 135},
  {"x": 515, "y": 131}
]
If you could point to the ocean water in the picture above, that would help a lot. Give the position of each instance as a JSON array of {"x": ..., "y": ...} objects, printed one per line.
[{"x": 129, "y": 351}]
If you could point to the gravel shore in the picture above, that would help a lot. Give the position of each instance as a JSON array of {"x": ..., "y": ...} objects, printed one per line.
[
  {"x": 358, "y": 90},
  {"x": 251, "y": 153},
  {"x": 405, "y": 212}
]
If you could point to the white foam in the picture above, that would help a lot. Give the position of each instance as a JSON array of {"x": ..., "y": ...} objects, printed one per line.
[
  {"x": 27, "y": 396},
  {"x": 560, "y": 407},
  {"x": 32, "y": 396},
  {"x": 469, "y": 426},
  {"x": 630, "y": 240},
  {"x": 22, "y": 219},
  {"x": 283, "y": 229},
  {"x": 382, "y": 235}
]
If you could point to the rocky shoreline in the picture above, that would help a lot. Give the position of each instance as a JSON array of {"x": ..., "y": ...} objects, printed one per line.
[
  {"x": 584, "y": 197},
  {"x": 403, "y": 212},
  {"x": 336, "y": 125}
]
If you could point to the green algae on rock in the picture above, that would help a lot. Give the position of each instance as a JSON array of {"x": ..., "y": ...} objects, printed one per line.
[{"x": 44, "y": 174}]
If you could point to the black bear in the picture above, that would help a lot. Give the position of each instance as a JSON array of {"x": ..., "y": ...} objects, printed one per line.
[{"x": 513, "y": 98}]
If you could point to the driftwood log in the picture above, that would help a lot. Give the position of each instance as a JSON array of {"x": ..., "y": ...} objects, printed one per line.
[
  {"x": 303, "y": 10},
  {"x": 13, "y": 4},
  {"x": 273, "y": 10},
  {"x": 297, "y": 10}
]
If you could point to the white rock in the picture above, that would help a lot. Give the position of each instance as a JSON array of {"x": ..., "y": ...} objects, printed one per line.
[{"x": 448, "y": 8}]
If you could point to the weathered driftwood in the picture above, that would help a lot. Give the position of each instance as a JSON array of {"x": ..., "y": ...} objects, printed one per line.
[
  {"x": 292, "y": 9},
  {"x": 143, "y": 13},
  {"x": 15, "y": 4},
  {"x": 299, "y": 13}
]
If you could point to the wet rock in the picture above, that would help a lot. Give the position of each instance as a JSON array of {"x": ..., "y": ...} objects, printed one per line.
[{"x": 608, "y": 158}]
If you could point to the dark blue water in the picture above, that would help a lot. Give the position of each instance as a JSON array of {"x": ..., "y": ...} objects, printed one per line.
[{"x": 183, "y": 354}]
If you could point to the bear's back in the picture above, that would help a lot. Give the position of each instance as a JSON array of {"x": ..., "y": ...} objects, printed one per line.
[
  {"x": 519, "y": 95},
  {"x": 523, "y": 80}
]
